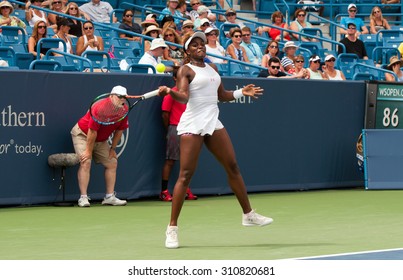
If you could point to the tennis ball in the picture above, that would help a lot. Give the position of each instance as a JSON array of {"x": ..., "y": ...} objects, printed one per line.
[{"x": 160, "y": 68}]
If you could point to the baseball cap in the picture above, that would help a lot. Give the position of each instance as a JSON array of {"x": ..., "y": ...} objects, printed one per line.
[
  {"x": 351, "y": 23},
  {"x": 203, "y": 21},
  {"x": 119, "y": 90},
  {"x": 351, "y": 6},
  {"x": 157, "y": 43}
]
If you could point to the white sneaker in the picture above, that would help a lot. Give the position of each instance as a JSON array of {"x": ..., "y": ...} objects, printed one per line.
[
  {"x": 254, "y": 219},
  {"x": 114, "y": 201},
  {"x": 171, "y": 241},
  {"x": 84, "y": 202}
]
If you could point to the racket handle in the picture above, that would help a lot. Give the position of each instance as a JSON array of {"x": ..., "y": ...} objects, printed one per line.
[{"x": 150, "y": 94}]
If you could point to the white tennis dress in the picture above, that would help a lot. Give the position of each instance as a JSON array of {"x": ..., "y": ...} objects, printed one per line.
[{"x": 201, "y": 114}]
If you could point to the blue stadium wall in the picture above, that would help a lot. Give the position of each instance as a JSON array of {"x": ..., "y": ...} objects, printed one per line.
[{"x": 299, "y": 135}]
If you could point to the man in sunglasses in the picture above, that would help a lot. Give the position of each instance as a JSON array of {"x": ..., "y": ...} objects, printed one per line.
[
  {"x": 274, "y": 71},
  {"x": 359, "y": 23},
  {"x": 99, "y": 11},
  {"x": 352, "y": 43}
]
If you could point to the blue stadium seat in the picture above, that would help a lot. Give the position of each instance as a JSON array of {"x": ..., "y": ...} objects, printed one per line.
[
  {"x": 381, "y": 55},
  {"x": 345, "y": 62},
  {"x": 100, "y": 60},
  {"x": 47, "y": 65},
  {"x": 364, "y": 77},
  {"x": 140, "y": 68},
  {"x": 8, "y": 54}
]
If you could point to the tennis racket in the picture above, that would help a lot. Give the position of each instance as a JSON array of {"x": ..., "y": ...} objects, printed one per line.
[{"x": 108, "y": 108}]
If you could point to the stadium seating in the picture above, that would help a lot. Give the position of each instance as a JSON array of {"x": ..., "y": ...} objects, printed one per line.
[
  {"x": 8, "y": 54},
  {"x": 47, "y": 65},
  {"x": 100, "y": 60},
  {"x": 140, "y": 68}
]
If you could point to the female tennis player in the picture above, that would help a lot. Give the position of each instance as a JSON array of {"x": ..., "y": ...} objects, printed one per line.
[{"x": 199, "y": 85}]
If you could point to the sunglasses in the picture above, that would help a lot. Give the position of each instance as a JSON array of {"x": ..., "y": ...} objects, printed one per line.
[
  {"x": 73, "y": 8},
  {"x": 57, "y": 2},
  {"x": 231, "y": 14},
  {"x": 169, "y": 35},
  {"x": 299, "y": 61},
  {"x": 352, "y": 28},
  {"x": 316, "y": 61},
  {"x": 352, "y": 11},
  {"x": 212, "y": 34},
  {"x": 245, "y": 35},
  {"x": 206, "y": 24},
  {"x": 120, "y": 96},
  {"x": 88, "y": 28},
  {"x": 5, "y": 7},
  {"x": 275, "y": 67},
  {"x": 194, "y": 4},
  {"x": 188, "y": 26},
  {"x": 237, "y": 36},
  {"x": 41, "y": 26},
  {"x": 301, "y": 15},
  {"x": 376, "y": 12},
  {"x": 128, "y": 15},
  {"x": 331, "y": 60},
  {"x": 273, "y": 47}
]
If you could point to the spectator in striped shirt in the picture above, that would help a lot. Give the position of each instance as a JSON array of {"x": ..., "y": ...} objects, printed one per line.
[{"x": 288, "y": 60}]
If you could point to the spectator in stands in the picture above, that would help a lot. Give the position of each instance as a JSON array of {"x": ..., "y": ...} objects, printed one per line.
[
  {"x": 76, "y": 27},
  {"x": 213, "y": 46},
  {"x": 300, "y": 23},
  {"x": 359, "y": 23},
  {"x": 235, "y": 50},
  {"x": 395, "y": 65},
  {"x": 89, "y": 42},
  {"x": 182, "y": 8},
  {"x": 129, "y": 25},
  {"x": 169, "y": 23},
  {"x": 272, "y": 50},
  {"x": 172, "y": 111},
  {"x": 57, "y": 6},
  {"x": 230, "y": 15},
  {"x": 6, "y": 19},
  {"x": 203, "y": 19},
  {"x": 153, "y": 56},
  {"x": 38, "y": 32},
  {"x": 253, "y": 50},
  {"x": 173, "y": 53},
  {"x": 99, "y": 11},
  {"x": 172, "y": 11},
  {"x": 331, "y": 72},
  {"x": 299, "y": 67},
  {"x": 314, "y": 72},
  {"x": 377, "y": 21},
  {"x": 187, "y": 26},
  {"x": 63, "y": 28},
  {"x": 288, "y": 59},
  {"x": 352, "y": 43},
  {"x": 150, "y": 20},
  {"x": 151, "y": 31},
  {"x": 273, "y": 71},
  {"x": 195, "y": 4},
  {"x": 33, "y": 15},
  {"x": 319, "y": 9},
  {"x": 277, "y": 19}
]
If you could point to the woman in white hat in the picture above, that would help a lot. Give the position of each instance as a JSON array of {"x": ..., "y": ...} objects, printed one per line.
[
  {"x": 6, "y": 19},
  {"x": 395, "y": 65},
  {"x": 288, "y": 59},
  {"x": 328, "y": 68},
  {"x": 313, "y": 69},
  {"x": 200, "y": 86},
  {"x": 153, "y": 32}
]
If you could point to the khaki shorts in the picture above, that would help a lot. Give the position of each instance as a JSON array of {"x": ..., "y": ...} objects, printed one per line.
[{"x": 100, "y": 154}]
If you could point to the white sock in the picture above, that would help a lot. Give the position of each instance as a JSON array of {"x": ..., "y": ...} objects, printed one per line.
[
  {"x": 108, "y": 195},
  {"x": 83, "y": 196}
]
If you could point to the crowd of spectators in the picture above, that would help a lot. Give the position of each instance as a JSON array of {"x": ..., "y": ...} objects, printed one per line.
[{"x": 175, "y": 20}]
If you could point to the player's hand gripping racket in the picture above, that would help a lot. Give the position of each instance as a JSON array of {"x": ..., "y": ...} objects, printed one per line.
[{"x": 109, "y": 108}]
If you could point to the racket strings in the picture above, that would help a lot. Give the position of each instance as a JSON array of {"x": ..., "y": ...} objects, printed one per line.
[{"x": 107, "y": 111}]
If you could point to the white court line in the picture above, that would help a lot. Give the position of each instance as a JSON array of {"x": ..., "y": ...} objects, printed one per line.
[{"x": 346, "y": 254}]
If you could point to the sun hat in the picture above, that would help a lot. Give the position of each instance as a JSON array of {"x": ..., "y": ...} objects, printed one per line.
[
  {"x": 149, "y": 21},
  {"x": 119, "y": 90},
  {"x": 7, "y": 4},
  {"x": 314, "y": 58},
  {"x": 198, "y": 34},
  {"x": 289, "y": 44},
  {"x": 351, "y": 6},
  {"x": 230, "y": 11},
  {"x": 152, "y": 28},
  {"x": 157, "y": 43},
  {"x": 187, "y": 22},
  {"x": 329, "y": 56},
  {"x": 394, "y": 59}
]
